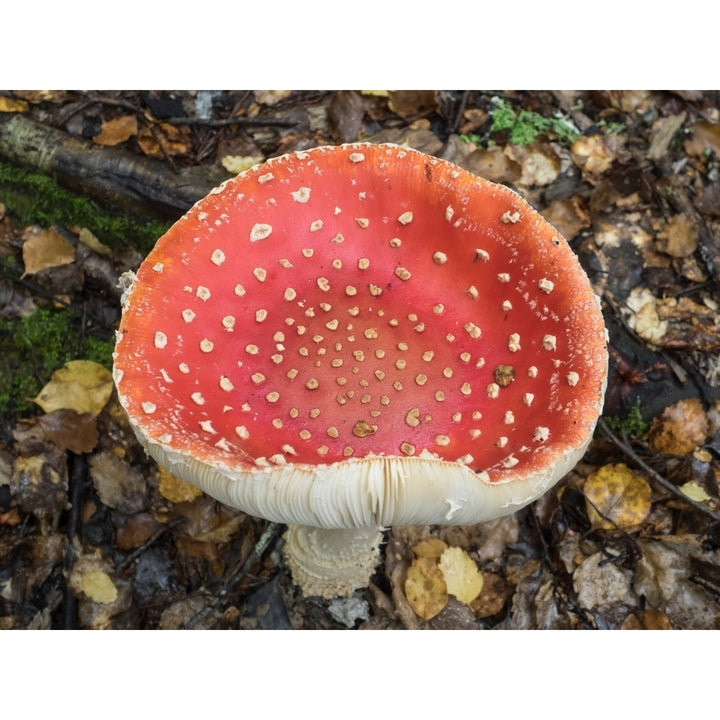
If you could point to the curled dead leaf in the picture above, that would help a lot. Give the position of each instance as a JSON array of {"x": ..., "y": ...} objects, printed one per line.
[{"x": 117, "y": 130}]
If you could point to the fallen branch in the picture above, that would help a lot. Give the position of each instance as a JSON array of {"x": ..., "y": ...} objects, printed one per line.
[{"x": 109, "y": 175}]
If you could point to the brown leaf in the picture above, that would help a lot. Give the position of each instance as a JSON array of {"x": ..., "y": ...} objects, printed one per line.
[
  {"x": 705, "y": 136},
  {"x": 70, "y": 430},
  {"x": 649, "y": 619},
  {"x": 118, "y": 484},
  {"x": 493, "y": 597},
  {"x": 412, "y": 103},
  {"x": 45, "y": 249},
  {"x": 679, "y": 237},
  {"x": 117, "y": 130},
  {"x": 165, "y": 140},
  {"x": 680, "y": 428},
  {"x": 138, "y": 529},
  {"x": 430, "y": 548}
]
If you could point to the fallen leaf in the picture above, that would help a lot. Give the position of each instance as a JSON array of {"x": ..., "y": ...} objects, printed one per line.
[
  {"x": 679, "y": 237},
  {"x": 694, "y": 492},
  {"x": 10, "y": 105},
  {"x": 82, "y": 385},
  {"x": 118, "y": 484},
  {"x": 409, "y": 103},
  {"x": 270, "y": 97},
  {"x": 649, "y": 619},
  {"x": 705, "y": 136},
  {"x": 592, "y": 154},
  {"x": 175, "y": 490},
  {"x": 462, "y": 577},
  {"x": 495, "y": 593},
  {"x": 425, "y": 588},
  {"x": 98, "y": 586},
  {"x": 138, "y": 529},
  {"x": 166, "y": 139},
  {"x": 45, "y": 249},
  {"x": 70, "y": 430},
  {"x": 430, "y": 548},
  {"x": 117, "y": 130},
  {"x": 87, "y": 238},
  {"x": 619, "y": 494},
  {"x": 239, "y": 163},
  {"x": 680, "y": 428}
]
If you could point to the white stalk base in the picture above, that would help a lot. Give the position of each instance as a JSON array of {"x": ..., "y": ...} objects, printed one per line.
[{"x": 331, "y": 563}]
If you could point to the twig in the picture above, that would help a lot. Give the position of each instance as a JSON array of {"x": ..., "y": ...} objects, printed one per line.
[
  {"x": 625, "y": 448},
  {"x": 130, "y": 559},
  {"x": 267, "y": 539}
]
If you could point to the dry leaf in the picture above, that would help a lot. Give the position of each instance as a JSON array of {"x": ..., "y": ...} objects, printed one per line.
[
  {"x": 118, "y": 484},
  {"x": 425, "y": 588},
  {"x": 88, "y": 239},
  {"x": 165, "y": 140},
  {"x": 680, "y": 428},
  {"x": 462, "y": 577},
  {"x": 70, "y": 430},
  {"x": 82, "y": 385},
  {"x": 679, "y": 237},
  {"x": 649, "y": 619},
  {"x": 705, "y": 136},
  {"x": 10, "y": 105},
  {"x": 98, "y": 586},
  {"x": 694, "y": 492},
  {"x": 239, "y": 163},
  {"x": 619, "y": 494},
  {"x": 409, "y": 103},
  {"x": 175, "y": 490},
  {"x": 117, "y": 130},
  {"x": 430, "y": 548},
  {"x": 592, "y": 154},
  {"x": 45, "y": 249}
]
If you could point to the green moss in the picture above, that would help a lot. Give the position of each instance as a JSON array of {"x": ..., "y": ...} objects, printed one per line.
[
  {"x": 32, "y": 198},
  {"x": 37, "y": 345}
]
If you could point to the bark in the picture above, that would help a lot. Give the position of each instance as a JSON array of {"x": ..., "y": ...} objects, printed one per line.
[{"x": 111, "y": 176}]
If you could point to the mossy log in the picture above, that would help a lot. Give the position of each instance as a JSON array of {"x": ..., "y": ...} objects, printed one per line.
[{"x": 111, "y": 176}]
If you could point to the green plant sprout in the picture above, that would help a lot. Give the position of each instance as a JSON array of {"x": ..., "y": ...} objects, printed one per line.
[
  {"x": 525, "y": 126},
  {"x": 633, "y": 424}
]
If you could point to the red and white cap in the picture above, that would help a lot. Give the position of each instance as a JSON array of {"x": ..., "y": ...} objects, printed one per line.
[{"x": 363, "y": 336}]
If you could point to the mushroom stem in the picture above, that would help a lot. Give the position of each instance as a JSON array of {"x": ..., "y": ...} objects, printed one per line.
[{"x": 331, "y": 563}]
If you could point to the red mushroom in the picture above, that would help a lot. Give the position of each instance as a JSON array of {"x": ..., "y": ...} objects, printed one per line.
[{"x": 353, "y": 337}]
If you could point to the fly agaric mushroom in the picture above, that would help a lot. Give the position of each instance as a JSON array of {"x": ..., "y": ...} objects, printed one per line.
[{"x": 354, "y": 337}]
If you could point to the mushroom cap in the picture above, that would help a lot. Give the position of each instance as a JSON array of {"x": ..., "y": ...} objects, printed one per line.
[{"x": 363, "y": 335}]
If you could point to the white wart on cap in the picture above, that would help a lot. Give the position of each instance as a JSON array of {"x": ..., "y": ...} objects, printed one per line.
[{"x": 363, "y": 336}]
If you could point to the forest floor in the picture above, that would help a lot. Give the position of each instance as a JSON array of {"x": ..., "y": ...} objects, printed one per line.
[{"x": 94, "y": 535}]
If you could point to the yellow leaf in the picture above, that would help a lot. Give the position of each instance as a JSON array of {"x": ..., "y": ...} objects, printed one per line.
[
  {"x": 619, "y": 494},
  {"x": 45, "y": 249},
  {"x": 98, "y": 586},
  {"x": 10, "y": 105},
  {"x": 82, "y": 385},
  {"x": 175, "y": 490},
  {"x": 87, "y": 238},
  {"x": 462, "y": 577},
  {"x": 694, "y": 492},
  {"x": 239, "y": 163},
  {"x": 425, "y": 588},
  {"x": 431, "y": 548}
]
